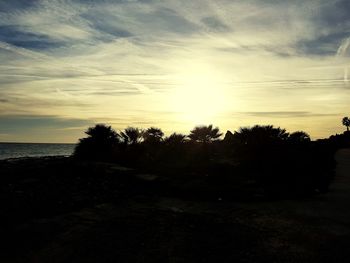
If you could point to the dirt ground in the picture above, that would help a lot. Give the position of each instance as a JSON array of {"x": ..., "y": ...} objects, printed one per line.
[{"x": 159, "y": 229}]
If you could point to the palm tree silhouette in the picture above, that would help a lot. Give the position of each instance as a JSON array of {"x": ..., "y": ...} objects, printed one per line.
[
  {"x": 346, "y": 122},
  {"x": 153, "y": 135},
  {"x": 132, "y": 135},
  {"x": 102, "y": 132},
  {"x": 100, "y": 144},
  {"x": 205, "y": 134},
  {"x": 260, "y": 134}
]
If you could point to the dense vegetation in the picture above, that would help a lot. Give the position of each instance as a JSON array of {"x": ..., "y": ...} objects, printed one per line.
[
  {"x": 269, "y": 157},
  {"x": 129, "y": 196}
]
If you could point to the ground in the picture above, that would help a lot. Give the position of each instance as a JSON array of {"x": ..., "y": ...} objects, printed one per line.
[{"x": 168, "y": 229}]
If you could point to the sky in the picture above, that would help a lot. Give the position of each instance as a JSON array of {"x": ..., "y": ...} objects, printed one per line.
[{"x": 69, "y": 64}]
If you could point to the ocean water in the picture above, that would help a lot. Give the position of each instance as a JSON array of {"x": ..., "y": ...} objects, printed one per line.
[{"x": 17, "y": 150}]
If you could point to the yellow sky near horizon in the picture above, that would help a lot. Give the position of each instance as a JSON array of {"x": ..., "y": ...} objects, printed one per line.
[{"x": 173, "y": 65}]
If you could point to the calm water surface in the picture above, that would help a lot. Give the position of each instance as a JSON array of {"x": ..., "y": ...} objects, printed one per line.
[{"x": 16, "y": 150}]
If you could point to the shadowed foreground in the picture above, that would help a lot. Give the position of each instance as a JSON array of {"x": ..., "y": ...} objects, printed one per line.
[{"x": 164, "y": 228}]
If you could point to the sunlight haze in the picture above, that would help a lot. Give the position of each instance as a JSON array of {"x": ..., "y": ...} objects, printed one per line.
[{"x": 69, "y": 64}]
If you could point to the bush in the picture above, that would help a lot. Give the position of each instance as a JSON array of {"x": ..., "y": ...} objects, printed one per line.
[{"x": 100, "y": 145}]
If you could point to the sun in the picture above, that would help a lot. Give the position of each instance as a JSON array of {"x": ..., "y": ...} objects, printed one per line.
[{"x": 199, "y": 97}]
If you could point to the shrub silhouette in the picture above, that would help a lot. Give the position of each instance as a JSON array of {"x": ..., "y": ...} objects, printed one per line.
[
  {"x": 205, "y": 134},
  {"x": 280, "y": 162},
  {"x": 260, "y": 135},
  {"x": 175, "y": 145},
  {"x": 228, "y": 136},
  {"x": 100, "y": 144},
  {"x": 253, "y": 143},
  {"x": 175, "y": 139},
  {"x": 299, "y": 137}
]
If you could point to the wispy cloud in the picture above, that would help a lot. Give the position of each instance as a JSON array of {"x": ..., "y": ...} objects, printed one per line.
[
  {"x": 287, "y": 114},
  {"x": 93, "y": 59}
]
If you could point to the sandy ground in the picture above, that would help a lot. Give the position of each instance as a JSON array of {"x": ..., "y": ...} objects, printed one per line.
[{"x": 162, "y": 229}]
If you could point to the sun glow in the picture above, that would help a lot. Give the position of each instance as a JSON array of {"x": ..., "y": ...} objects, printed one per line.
[{"x": 200, "y": 97}]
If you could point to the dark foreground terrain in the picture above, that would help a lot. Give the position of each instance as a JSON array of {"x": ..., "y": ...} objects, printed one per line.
[{"x": 107, "y": 213}]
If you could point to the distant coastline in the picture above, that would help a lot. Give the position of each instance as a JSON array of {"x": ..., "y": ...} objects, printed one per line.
[
  {"x": 37, "y": 143},
  {"x": 23, "y": 150}
]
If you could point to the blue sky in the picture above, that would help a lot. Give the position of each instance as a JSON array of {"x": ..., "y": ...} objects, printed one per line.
[{"x": 68, "y": 64}]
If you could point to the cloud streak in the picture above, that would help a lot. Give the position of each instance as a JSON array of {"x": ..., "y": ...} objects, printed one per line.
[
  {"x": 90, "y": 59},
  {"x": 286, "y": 114}
]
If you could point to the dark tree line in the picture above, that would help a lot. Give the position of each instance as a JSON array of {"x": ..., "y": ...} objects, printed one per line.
[
  {"x": 346, "y": 122},
  {"x": 102, "y": 142},
  {"x": 278, "y": 161}
]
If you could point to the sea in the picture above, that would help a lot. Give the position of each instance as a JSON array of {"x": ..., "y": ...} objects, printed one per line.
[{"x": 19, "y": 150}]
